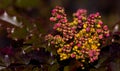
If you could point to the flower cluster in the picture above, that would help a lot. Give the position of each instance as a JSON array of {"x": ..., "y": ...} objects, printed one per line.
[{"x": 79, "y": 39}]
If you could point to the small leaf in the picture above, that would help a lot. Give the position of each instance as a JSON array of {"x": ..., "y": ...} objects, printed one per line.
[
  {"x": 54, "y": 67},
  {"x": 20, "y": 33},
  {"x": 66, "y": 68},
  {"x": 27, "y": 3},
  {"x": 5, "y": 3}
]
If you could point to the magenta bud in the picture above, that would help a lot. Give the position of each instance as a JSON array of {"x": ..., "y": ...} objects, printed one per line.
[
  {"x": 105, "y": 27},
  {"x": 54, "y": 10},
  {"x": 99, "y": 30},
  {"x": 97, "y": 14},
  {"x": 71, "y": 43},
  {"x": 87, "y": 29},
  {"x": 95, "y": 58},
  {"x": 91, "y": 53},
  {"x": 64, "y": 50},
  {"x": 64, "y": 20},
  {"x": 79, "y": 45},
  {"x": 52, "y": 42},
  {"x": 91, "y": 60},
  {"x": 79, "y": 17},
  {"x": 100, "y": 22},
  {"x": 107, "y": 35},
  {"x": 77, "y": 14},
  {"x": 79, "y": 21},
  {"x": 52, "y": 19},
  {"x": 58, "y": 24},
  {"x": 100, "y": 36},
  {"x": 59, "y": 16}
]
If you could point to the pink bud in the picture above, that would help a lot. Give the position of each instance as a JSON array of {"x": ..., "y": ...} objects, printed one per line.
[
  {"x": 54, "y": 10},
  {"x": 73, "y": 55},
  {"x": 91, "y": 53},
  {"x": 87, "y": 29},
  {"x": 100, "y": 22},
  {"x": 55, "y": 27},
  {"x": 59, "y": 16},
  {"x": 91, "y": 60},
  {"x": 99, "y": 30},
  {"x": 97, "y": 13},
  {"x": 71, "y": 43},
  {"x": 95, "y": 58},
  {"x": 82, "y": 11},
  {"x": 52, "y": 42},
  {"x": 52, "y": 19},
  {"x": 79, "y": 21},
  {"x": 64, "y": 20},
  {"x": 107, "y": 34},
  {"x": 79, "y": 45},
  {"x": 73, "y": 28},
  {"x": 100, "y": 36},
  {"x": 105, "y": 27},
  {"x": 79, "y": 17},
  {"x": 64, "y": 50},
  {"x": 58, "y": 24},
  {"x": 77, "y": 14}
]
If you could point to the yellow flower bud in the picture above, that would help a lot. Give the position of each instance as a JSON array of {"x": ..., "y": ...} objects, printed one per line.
[
  {"x": 98, "y": 44},
  {"x": 83, "y": 30},
  {"x": 77, "y": 35},
  {"x": 71, "y": 23},
  {"x": 85, "y": 25},
  {"x": 83, "y": 60},
  {"x": 92, "y": 30},
  {"x": 99, "y": 16},
  {"x": 77, "y": 51},
  {"x": 61, "y": 45},
  {"x": 83, "y": 46},
  {"x": 61, "y": 59},
  {"x": 68, "y": 51},
  {"x": 64, "y": 57},
  {"x": 90, "y": 40},
  {"x": 83, "y": 68},
  {"x": 83, "y": 18},
  {"x": 75, "y": 19},
  {"x": 75, "y": 22},
  {"x": 77, "y": 57},
  {"x": 94, "y": 46},
  {"x": 59, "y": 50},
  {"x": 67, "y": 45},
  {"x": 87, "y": 35},
  {"x": 74, "y": 53},
  {"x": 75, "y": 47},
  {"x": 58, "y": 29},
  {"x": 98, "y": 26}
]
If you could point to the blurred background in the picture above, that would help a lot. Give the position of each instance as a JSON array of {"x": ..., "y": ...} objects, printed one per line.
[
  {"x": 40, "y": 9},
  {"x": 38, "y": 12}
]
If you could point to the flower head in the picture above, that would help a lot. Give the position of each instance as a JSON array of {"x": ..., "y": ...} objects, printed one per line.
[{"x": 79, "y": 39}]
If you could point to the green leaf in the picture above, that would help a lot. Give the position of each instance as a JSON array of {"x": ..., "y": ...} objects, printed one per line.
[
  {"x": 54, "y": 67},
  {"x": 52, "y": 50},
  {"x": 5, "y": 3},
  {"x": 20, "y": 33},
  {"x": 27, "y": 3},
  {"x": 66, "y": 68}
]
